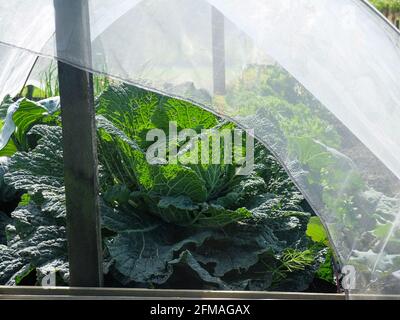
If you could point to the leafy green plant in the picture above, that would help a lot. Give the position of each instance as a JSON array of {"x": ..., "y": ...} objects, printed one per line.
[
  {"x": 49, "y": 81},
  {"x": 49, "y": 86},
  {"x": 164, "y": 225},
  {"x": 36, "y": 231},
  {"x": 218, "y": 251},
  {"x": 20, "y": 117},
  {"x": 316, "y": 231},
  {"x": 304, "y": 130},
  {"x": 387, "y": 5},
  {"x": 292, "y": 260}
]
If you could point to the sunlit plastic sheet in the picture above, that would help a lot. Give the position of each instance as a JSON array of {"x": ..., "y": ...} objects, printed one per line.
[{"x": 343, "y": 54}]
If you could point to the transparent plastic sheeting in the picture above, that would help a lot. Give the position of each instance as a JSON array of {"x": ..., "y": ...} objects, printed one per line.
[{"x": 337, "y": 134}]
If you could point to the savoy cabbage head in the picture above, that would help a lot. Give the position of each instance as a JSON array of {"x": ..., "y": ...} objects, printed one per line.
[{"x": 164, "y": 225}]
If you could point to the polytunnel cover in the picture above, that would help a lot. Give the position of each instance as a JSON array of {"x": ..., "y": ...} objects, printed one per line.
[{"x": 337, "y": 134}]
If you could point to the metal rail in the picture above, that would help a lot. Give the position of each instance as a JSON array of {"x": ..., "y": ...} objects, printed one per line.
[
  {"x": 70, "y": 293},
  {"x": 75, "y": 293}
]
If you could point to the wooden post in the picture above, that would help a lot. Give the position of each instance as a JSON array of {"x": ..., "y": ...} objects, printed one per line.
[
  {"x": 79, "y": 144},
  {"x": 218, "y": 51}
]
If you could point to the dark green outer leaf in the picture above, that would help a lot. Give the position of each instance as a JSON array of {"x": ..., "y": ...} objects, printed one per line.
[
  {"x": 40, "y": 172},
  {"x": 35, "y": 239},
  {"x": 143, "y": 256}
]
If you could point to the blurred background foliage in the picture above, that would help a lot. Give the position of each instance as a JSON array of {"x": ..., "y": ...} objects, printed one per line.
[{"x": 390, "y": 9}]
